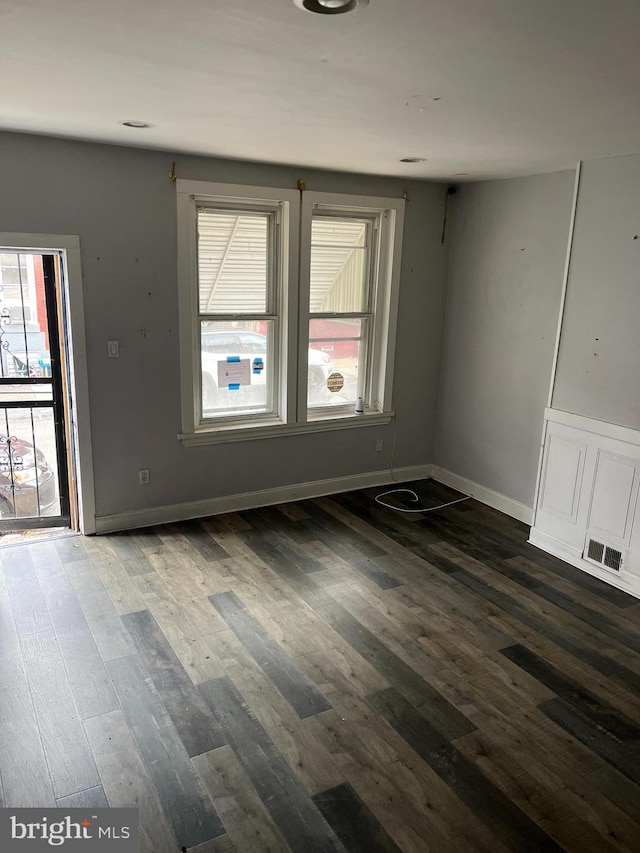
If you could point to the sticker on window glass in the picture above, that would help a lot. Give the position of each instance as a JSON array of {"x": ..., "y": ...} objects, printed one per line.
[
  {"x": 335, "y": 382},
  {"x": 234, "y": 373}
]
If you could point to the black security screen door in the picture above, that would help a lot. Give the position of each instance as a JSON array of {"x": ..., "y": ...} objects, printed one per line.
[{"x": 34, "y": 482}]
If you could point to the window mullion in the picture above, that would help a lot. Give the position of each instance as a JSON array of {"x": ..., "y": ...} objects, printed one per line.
[{"x": 306, "y": 216}]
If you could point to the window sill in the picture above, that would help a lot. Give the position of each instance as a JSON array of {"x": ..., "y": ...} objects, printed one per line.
[{"x": 256, "y": 430}]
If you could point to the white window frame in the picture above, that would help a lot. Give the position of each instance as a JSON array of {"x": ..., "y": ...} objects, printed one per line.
[
  {"x": 295, "y": 211},
  {"x": 388, "y": 215},
  {"x": 275, "y": 297}
]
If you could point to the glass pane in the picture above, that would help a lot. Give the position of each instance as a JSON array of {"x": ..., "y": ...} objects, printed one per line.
[
  {"x": 10, "y": 259},
  {"x": 336, "y": 355},
  {"x": 233, "y": 262},
  {"x": 25, "y": 393},
  {"x": 13, "y": 268},
  {"x": 24, "y": 336},
  {"x": 10, "y": 275},
  {"x": 237, "y": 367},
  {"x": 28, "y": 467},
  {"x": 339, "y": 265}
]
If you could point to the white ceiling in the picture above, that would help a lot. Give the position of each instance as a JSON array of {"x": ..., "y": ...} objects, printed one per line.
[{"x": 524, "y": 86}]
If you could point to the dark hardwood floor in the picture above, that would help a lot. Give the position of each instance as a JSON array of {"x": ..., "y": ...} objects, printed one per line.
[{"x": 326, "y": 675}]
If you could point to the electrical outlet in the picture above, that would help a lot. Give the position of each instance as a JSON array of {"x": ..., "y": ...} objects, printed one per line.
[
  {"x": 143, "y": 475},
  {"x": 379, "y": 445}
]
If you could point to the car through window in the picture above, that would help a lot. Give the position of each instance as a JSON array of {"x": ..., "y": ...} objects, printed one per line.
[{"x": 287, "y": 308}]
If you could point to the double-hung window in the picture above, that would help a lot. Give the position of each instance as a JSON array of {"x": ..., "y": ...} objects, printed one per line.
[
  {"x": 287, "y": 310},
  {"x": 237, "y": 310}
]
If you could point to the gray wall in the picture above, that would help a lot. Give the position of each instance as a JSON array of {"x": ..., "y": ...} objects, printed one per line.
[
  {"x": 599, "y": 360},
  {"x": 505, "y": 278},
  {"x": 121, "y": 203}
]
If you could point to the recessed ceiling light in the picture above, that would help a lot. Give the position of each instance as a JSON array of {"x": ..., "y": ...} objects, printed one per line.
[
  {"x": 135, "y": 123},
  {"x": 413, "y": 160},
  {"x": 330, "y": 7}
]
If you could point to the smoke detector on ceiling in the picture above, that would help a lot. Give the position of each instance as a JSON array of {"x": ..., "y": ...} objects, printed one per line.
[{"x": 330, "y": 7}]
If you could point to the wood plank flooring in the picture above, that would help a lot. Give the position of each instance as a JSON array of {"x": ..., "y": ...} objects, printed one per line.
[{"x": 326, "y": 675}]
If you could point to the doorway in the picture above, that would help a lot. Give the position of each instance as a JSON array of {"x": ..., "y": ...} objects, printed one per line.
[{"x": 37, "y": 447}]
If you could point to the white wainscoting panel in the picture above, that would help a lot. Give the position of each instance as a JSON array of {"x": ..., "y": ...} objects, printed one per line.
[
  {"x": 563, "y": 466},
  {"x": 615, "y": 488},
  {"x": 589, "y": 483}
]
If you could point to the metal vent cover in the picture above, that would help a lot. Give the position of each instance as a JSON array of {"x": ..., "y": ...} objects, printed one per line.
[
  {"x": 603, "y": 555},
  {"x": 612, "y": 559},
  {"x": 595, "y": 551}
]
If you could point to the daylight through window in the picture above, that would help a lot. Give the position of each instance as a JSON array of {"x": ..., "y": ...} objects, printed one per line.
[{"x": 287, "y": 309}]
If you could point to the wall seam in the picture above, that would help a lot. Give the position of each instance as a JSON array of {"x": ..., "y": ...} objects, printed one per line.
[
  {"x": 443, "y": 342},
  {"x": 556, "y": 353},
  {"x": 565, "y": 283}
]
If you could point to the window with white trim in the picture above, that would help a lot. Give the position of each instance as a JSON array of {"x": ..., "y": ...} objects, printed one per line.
[
  {"x": 237, "y": 310},
  {"x": 287, "y": 309}
]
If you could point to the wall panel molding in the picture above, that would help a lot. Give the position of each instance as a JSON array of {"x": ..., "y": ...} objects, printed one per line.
[{"x": 589, "y": 485}]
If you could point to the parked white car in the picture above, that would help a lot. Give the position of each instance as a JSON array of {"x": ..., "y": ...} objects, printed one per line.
[{"x": 218, "y": 345}]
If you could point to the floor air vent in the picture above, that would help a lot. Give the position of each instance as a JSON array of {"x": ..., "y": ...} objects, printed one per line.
[
  {"x": 613, "y": 559},
  {"x": 595, "y": 551},
  {"x": 603, "y": 555}
]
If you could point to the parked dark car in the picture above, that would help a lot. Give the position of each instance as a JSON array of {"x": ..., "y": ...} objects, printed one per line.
[{"x": 27, "y": 481}]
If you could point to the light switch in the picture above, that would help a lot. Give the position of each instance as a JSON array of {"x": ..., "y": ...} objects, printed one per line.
[{"x": 113, "y": 349}]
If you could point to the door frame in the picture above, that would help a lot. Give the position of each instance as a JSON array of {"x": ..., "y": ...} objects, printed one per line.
[{"x": 75, "y": 349}]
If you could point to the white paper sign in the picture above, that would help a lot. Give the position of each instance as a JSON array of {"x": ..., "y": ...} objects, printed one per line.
[{"x": 232, "y": 373}]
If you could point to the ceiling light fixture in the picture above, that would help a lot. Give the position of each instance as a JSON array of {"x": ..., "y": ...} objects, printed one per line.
[
  {"x": 136, "y": 123},
  {"x": 413, "y": 160},
  {"x": 330, "y": 7}
]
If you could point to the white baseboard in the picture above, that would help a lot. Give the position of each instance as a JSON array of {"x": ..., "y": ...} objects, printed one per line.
[
  {"x": 486, "y": 496},
  {"x": 250, "y": 500},
  {"x": 627, "y": 583},
  {"x": 555, "y": 546}
]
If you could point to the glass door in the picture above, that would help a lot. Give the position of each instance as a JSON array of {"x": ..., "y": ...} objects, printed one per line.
[{"x": 34, "y": 481}]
